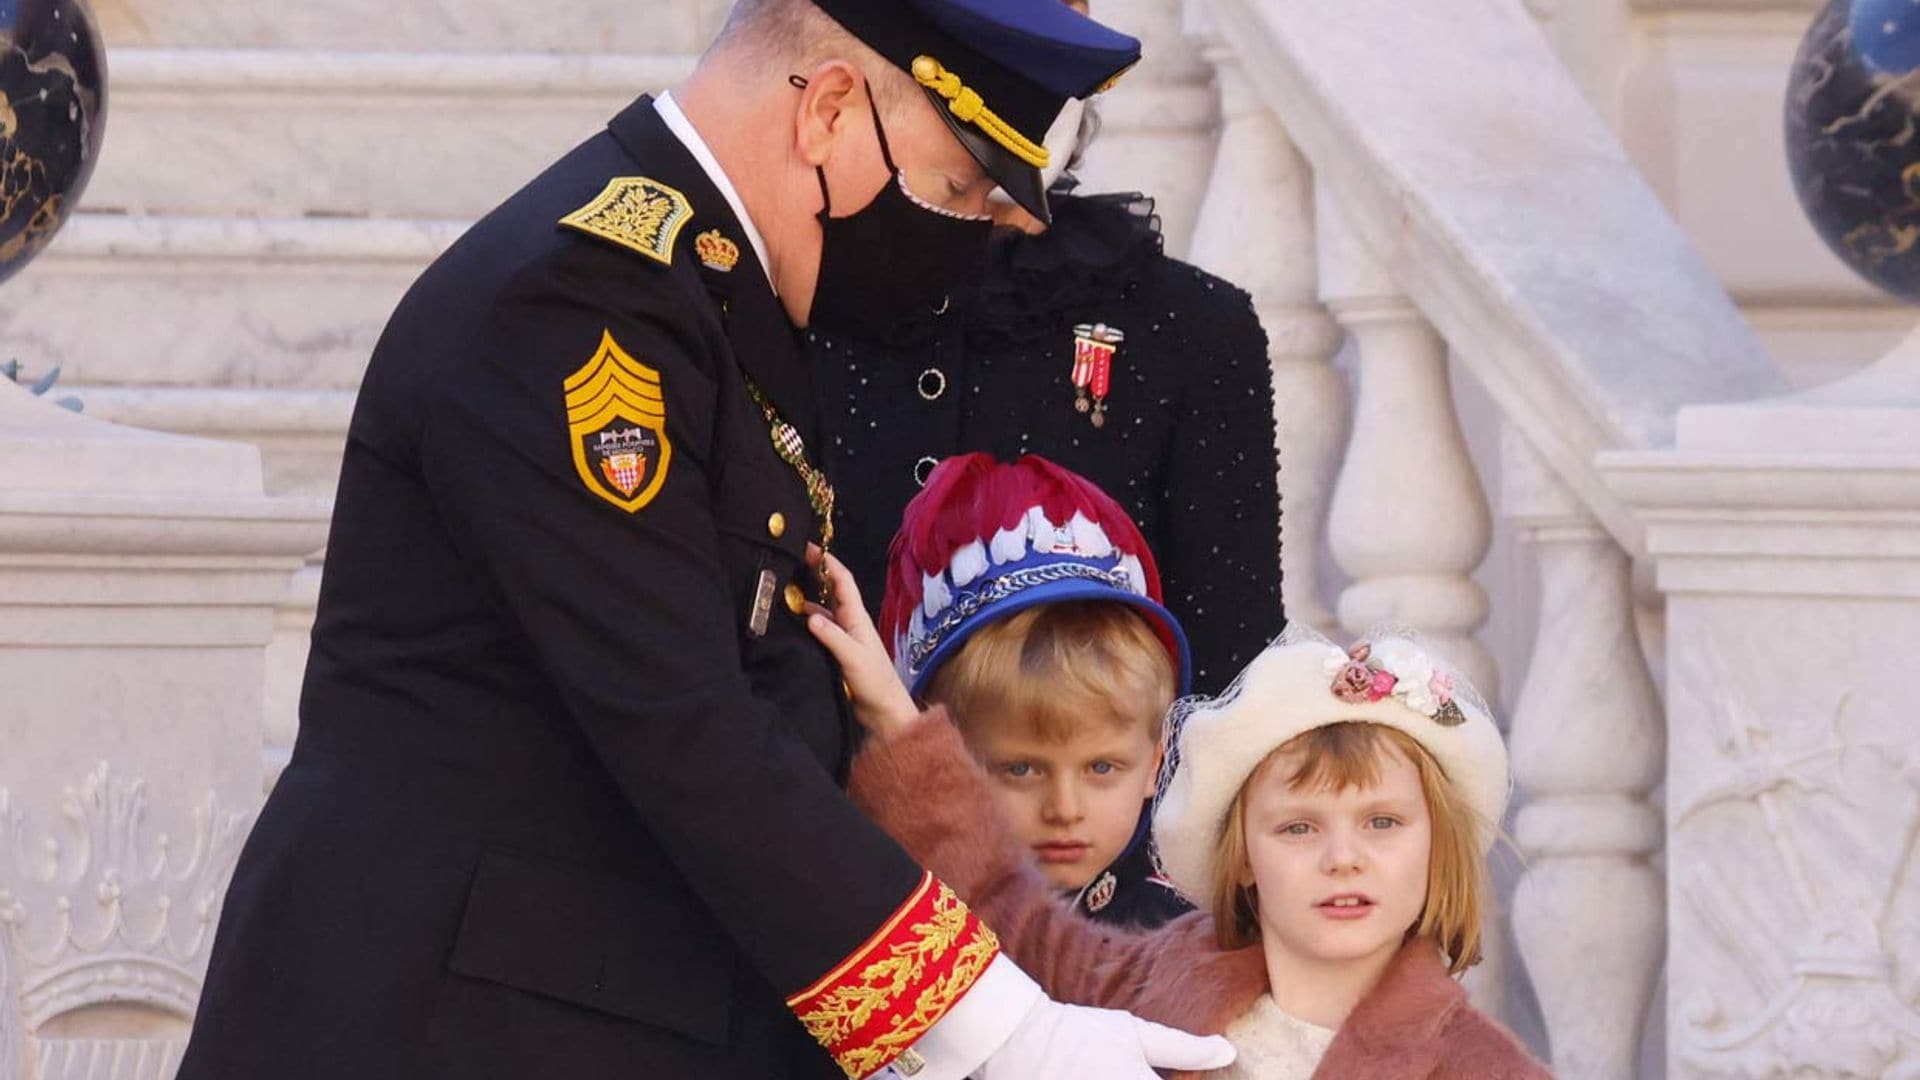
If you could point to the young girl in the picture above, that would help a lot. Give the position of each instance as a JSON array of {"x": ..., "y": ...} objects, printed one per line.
[{"x": 1329, "y": 815}]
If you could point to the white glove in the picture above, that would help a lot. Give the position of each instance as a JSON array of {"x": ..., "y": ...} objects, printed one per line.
[{"x": 1072, "y": 1042}]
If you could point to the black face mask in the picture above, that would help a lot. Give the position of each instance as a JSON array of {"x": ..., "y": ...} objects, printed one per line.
[{"x": 895, "y": 261}]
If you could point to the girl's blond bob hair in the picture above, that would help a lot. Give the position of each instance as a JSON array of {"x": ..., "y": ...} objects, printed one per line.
[{"x": 1350, "y": 755}]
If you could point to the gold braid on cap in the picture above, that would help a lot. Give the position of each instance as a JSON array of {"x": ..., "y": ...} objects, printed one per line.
[{"x": 965, "y": 103}]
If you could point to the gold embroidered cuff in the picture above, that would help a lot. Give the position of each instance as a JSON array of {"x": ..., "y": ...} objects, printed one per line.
[{"x": 884, "y": 997}]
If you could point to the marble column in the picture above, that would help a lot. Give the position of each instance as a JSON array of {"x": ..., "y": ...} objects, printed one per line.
[
  {"x": 1256, "y": 229},
  {"x": 1586, "y": 746},
  {"x": 1409, "y": 520},
  {"x": 1158, "y": 124}
]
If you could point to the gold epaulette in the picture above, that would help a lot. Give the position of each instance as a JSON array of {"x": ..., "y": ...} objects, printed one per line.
[{"x": 636, "y": 213}]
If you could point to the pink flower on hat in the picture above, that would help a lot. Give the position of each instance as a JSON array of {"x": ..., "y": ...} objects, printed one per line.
[
  {"x": 1382, "y": 687},
  {"x": 1441, "y": 687},
  {"x": 1353, "y": 683}
]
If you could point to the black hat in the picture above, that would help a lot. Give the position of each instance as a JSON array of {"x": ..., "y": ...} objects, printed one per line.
[{"x": 998, "y": 71}]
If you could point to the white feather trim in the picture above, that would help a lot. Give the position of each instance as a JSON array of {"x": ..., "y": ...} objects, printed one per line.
[
  {"x": 935, "y": 595},
  {"x": 1089, "y": 537},
  {"x": 1040, "y": 531},
  {"x": 967, "y": 563},
  {"x": 1009, "y": 544}
]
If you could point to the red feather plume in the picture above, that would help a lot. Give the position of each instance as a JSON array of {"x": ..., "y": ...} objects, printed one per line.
[{"x": 970, "y": 497}]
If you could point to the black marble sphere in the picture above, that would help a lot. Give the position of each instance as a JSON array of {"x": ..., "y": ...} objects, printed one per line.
[
  {"x": 1853, "y": 137},
  {"x": 53, "y": 110}
]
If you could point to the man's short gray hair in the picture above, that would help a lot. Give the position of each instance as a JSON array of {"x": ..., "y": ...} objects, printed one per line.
[{"x": 797, "y": 34}]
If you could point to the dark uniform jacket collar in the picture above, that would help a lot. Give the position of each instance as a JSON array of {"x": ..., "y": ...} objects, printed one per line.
[
  {"x": 1130, "y": 891},
  {"x": 763, "y": 340}
]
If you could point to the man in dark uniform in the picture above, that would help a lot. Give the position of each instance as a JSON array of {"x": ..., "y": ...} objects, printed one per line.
[{"x": 565, "y": 800}]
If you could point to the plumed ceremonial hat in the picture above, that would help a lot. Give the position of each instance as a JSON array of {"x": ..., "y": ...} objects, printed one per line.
[{"x": 984, "y": 540}]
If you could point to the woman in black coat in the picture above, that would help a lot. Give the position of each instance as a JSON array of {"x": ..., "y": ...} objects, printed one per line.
[{"x": 1090, "y": 346}]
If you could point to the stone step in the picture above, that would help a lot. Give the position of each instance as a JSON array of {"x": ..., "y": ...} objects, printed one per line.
[
  {"x": 300, "y": 433},
  {"x": 594, "y": 26},
  {"x": 136, "y": 300},
  {"x": 286, "y": 133}
]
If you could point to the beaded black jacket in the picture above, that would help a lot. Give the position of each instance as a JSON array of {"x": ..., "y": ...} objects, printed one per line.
[{"x": 1187, "y": 443}]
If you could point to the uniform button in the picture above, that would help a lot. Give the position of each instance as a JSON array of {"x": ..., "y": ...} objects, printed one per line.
[
  {"x": 933, "y": 383},
  {"x": 796, "y": 598},
  {"x": 777, "y": 525},
  {"x": 923, "y": 469}
]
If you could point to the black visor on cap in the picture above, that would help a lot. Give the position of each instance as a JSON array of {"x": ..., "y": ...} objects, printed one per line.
[{"x": 1021, "y": 181}]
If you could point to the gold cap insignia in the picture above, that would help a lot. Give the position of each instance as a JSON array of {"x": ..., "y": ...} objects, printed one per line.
[
  {"x": 716, "y": 251},
  {"x": 617, "y": 420},
  {"x": 638, "y": 214}
]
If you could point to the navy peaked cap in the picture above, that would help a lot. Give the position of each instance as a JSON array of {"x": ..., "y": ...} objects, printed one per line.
[{"x": 998, "y": 71}]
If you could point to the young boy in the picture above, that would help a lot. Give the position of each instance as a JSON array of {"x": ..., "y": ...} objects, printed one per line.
[{"x": 1024, "y": 599}]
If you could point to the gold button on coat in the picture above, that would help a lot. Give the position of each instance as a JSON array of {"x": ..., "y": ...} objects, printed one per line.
[
  {"x": 777, "y": 525},
  {"x": 796, "y": 598}
]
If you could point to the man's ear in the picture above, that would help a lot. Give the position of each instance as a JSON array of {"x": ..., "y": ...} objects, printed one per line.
[{"x": 834, "y": 97}]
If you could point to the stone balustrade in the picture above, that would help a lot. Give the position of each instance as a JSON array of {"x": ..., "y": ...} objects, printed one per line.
[{"x": 1493, "y": 220}]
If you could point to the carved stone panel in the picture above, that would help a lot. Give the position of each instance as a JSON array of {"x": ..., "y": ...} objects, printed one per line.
[
  {"x": 105, "y": 925},
  {"x": 1794, "y": 812}
]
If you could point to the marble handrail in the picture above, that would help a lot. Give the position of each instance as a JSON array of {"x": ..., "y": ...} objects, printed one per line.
[{"x": 1463, "y": 154}]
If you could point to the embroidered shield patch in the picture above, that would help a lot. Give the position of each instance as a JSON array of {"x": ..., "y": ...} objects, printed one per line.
[{"x": 617, "y": 419}]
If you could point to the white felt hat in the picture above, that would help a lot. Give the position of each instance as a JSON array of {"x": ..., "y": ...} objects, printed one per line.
[{"x": 1290, "y": 689}]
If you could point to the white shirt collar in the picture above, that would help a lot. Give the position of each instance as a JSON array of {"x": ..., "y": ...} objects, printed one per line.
[{"x": 684, "y": 130}]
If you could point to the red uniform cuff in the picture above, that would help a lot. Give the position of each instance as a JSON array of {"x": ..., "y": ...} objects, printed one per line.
[{"x": 884, "y": 997}]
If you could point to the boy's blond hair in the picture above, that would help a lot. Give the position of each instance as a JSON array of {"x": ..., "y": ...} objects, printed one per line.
[
  {"x": 1339, "y": 756},
  {"x": 1056, "y": 667}
]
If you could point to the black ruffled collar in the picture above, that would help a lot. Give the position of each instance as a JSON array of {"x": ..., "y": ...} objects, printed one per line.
[{"x": 1035, "y": 281}]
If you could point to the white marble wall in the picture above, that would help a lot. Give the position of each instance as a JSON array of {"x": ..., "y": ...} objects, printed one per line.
[
  {"x": 291, "y": 133},
  {"x": 139, "y": 579},
  {"x": 468, "y": 26},
  {"x": 1785, "y": 539},
  {"x": 1694, "y": 89}
]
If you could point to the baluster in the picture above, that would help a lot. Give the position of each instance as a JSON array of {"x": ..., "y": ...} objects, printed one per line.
[
  {"x": 1589, "y": 914},
  {"x": 1409, "y": 519},
  {"x": 1256, "y": 229}
]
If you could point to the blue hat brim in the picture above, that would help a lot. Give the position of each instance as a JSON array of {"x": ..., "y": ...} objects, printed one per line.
[{"x": 1051, "y": 593}]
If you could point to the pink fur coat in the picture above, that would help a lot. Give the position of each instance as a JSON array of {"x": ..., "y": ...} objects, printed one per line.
[{"x": 925, "y": 789}]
